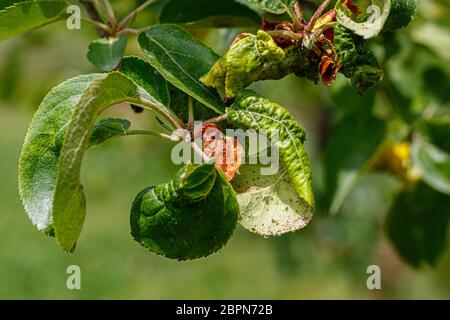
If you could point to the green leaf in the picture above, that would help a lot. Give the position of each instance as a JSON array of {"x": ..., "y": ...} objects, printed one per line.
[
  {"x": 401, "y": 14},
  {"x": 108, "y": 129},
  {"x": 106, "y": 53},
  {"x": 274, "y": 6},
  {"x": 254, "y": 112},
  {"x": 248, "y": 60},
  {"x": 269, "y": 205},
  {"x": 68, "y": 207},
  {"x": 191, "y": 216},
  {"x": 436, "y": 130},
  {"x": 433, "y": 163},
  {"x": 20, "y": 16},
  {"x": 377, "y": 12},
  {"x": 38, "y": 162},
  {"x": 353, "y": 144},
  {"x": 357, "y": 62},
  {"x": 417, "y": 224},
  {"x": 182, "y": 60},
  {"x": 207, "y": 13},
  {"x": 179, "y": 102},
  {"x": 141, "y": 72}
]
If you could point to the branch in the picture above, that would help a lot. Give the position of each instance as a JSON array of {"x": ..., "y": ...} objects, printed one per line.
[
  {"x": 133, "y": 14},
  {"x": 93, "y": 14}
]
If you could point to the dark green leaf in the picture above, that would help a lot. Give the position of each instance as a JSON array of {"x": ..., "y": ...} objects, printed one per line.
[
  {"x": 274, "y": 6},
  {"x": 401, "y": 14},
  {"x": 191, "y": 216},
  {"x": 108, "y": 129},
  {"x": 207, "y": 13},
  {"x": 141, "y": 72},
  {"x": 106, "y": 53},
  {"x": 21, "y": 16},
  {"x": 417, "y": 224},
  {"x": 182, "y": 60}
]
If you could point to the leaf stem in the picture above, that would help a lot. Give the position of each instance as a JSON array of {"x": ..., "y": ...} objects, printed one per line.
[
  {"x": 286, "y": 34},
  {"x": 151, "y": 133},
  {"x": 190, "y": 125},
  {"x": 133, "y": 14},
  {"x": 169, "y": 115},
  {"x": 200, "y": 152}
]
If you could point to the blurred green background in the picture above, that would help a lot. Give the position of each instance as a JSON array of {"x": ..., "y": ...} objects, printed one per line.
[{"x": 326, "y": 260}]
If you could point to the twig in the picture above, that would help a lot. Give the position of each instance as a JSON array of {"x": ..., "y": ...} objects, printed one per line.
[
  {"x": 133, "y": 14},
  {"x": 298, "y": 13},
  {"x": 152, "y": 133},
  {"x": 286, "y": 34},
  {"x": 217, "y": 119},
  {"x": 98, "y": 25},
  {"x": 190, "y": 125},
  {"x": 93, "y": 14}
]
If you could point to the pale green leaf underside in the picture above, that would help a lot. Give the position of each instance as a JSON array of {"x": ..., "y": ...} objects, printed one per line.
[
  {"x": 68, "y": 208},
  {"x": 269, "y": 205},
  {"x": 182, "y": 60},
  {"x": 20, "y": 17},
  {"x": 106, "y": 53},
  {"x": 40, "y": 153},
  {"x": 274, "y": 6}
]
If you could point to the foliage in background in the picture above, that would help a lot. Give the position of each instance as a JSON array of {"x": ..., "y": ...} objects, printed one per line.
[{"x": 391, "y": 128}]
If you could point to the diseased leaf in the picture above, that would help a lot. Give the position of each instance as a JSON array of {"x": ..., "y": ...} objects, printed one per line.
[
  {"x": 182, "y": 60},
  {"x": 347, "y": 158},
  {"x": 401, "y": 14},
  {"x": 269, "y": 205},
  {"x": 417, "y": 224},
  {"x": 377, "y": 11},
  {"x": 38, "y": 162},
  {"x": 250, "y": 59},
  {"x": 191, "y": 216},
  {"x": 142, "y": 73},
  {"x": 274, "y": 6},
  {"x": 68, "y": 207},
  {"x": 357, "y": 62},
  {"x": 106, "y": 53},
  {"x": 207, "y": 13},
  {"x": 251, "y": 111},
  {"x": 108, "y": 129},
  {"x": 433, "y": 163},
  {"x": 20, "y": 16}
]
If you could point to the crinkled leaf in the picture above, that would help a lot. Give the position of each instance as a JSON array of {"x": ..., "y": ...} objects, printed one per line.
[
  {"x": 347, "y": 158},
  {"x": 378, "y": 13},
  {"x": 191, "y": 216},
  {"x": 401, "y": 14},
  {"x": 357, "y": 62},
  {"x": 207, "y": 13},
  {"x": 274, "y": 6},
  {"x": 269, "y": 204},
  {"x": 21, "y": 16},
  {"x": 433, "y": 163},
  {"x": 68, "y": 207},
  {"x": 182, "y": 60},
  {"x": 106, "y": 53},
  {"x": 250, "y": 59},
  {"x": 254, "y": 112},
  {"x": 38, "y": 164},
  {"x": 417, "y": 224}
]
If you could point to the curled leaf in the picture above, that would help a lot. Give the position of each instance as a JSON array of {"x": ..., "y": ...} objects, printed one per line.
[
  {"x": 377, "y": 12},
  {"x": 250, "y": 59},
  {"x": 191, "y": 216},
  {"x": 356, "y": 61},
  {"x": 287, "y": 136}
]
